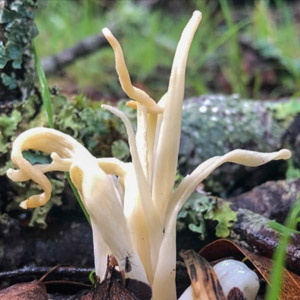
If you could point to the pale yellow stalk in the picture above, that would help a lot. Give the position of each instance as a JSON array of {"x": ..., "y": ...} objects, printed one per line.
[{"x": 165, "y": 164}]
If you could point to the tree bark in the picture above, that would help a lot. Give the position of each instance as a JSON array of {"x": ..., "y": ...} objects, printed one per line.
[{"x": 17, "y": 71}]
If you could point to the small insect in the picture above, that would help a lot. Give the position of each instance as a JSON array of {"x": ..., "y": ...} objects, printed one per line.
[
  {"x": 127, "y": 265},
  {"x": 126, "y": 262}
]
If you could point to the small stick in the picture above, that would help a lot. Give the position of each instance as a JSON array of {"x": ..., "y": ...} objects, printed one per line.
[{"x": 71, "y": 272}]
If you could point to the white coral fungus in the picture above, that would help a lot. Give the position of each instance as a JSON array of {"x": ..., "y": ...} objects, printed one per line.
[{"x": 132, "y": 206}]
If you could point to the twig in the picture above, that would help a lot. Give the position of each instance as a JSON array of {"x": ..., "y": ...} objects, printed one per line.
[
  {"x": 71, "y": 272},
  {"x": 55, "y": 63}
]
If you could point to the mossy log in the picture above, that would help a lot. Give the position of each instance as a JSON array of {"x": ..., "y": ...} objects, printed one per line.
[
  {"x": 273, "y": 199},
  {"x": 216, "y": 124},
  {"x": 211, "y": 125}
]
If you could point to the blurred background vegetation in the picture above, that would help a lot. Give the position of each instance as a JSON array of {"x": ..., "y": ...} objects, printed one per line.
[{"x": 247, "y": 47}]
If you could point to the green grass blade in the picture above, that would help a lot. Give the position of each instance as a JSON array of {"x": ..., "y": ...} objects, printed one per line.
[
  {"x": 281, "y": 228},
  {"x": 46, "y": 97},
  {"x": 274, "y": 289},
  {"x": 239, "y": 78},
  {"x": 75, "y": 191},
  {"x": 92, "y": 277},
  {"x": 224, "y": 38}
]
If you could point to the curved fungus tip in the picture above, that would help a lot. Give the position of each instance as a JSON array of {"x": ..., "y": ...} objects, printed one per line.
[
  {"x": 285, "y": 154},
  {"x": 106, "y": 31},
  {"x": 197, "y": 13},
  {"x": 131, "y": 104},
  {"x": 23, "y": 204},
  {"x": 35, "y": 201}
]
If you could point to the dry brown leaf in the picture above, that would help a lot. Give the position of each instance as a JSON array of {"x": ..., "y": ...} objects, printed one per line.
[
  {"x": 107, "y": 290},
  {"x": 34, "y": 290},
  {"x": 117, "y": 288},
  {"x": 236, "y": 294},
  {"x": 204, "y": 281},
  {"x": 224, "y": 248}
]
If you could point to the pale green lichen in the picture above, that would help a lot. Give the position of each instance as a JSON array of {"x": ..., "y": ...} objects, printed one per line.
[
  {"x": 202, "y": 207},
  {"x": 95, "y": 128},
  {"x": 8, "y": 126},
  {"x": 120, "y": 150},
  {"x": 285, "y": 111},
  {"x": 192, "y": 214},
  {"x": 215, "y": 124},
  {"x": 40, "y": 213}
]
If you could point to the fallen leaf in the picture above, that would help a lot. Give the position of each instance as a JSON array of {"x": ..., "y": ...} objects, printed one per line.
[
  {"x": 115, "y": 288},
  {"x": 204, "y": 281},
  {"x": 34, "y": 290},
  {"x": 109, "y": 290},
  {"x": 236, "y": 294}
]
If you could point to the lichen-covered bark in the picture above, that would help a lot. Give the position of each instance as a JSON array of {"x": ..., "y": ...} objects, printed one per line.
[
  {"x": 216, "y": 124},
  {"x": 17, "y": 29},
  {"x": 291, "y": 139}
]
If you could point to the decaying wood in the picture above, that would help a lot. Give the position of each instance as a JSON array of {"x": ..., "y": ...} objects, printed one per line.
[
  {"x": 28, "y": 272},
  {"x": 252, "y": 231},
  {"x": 272, "y": 199},
  {"x": 204, "y": 281}
]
